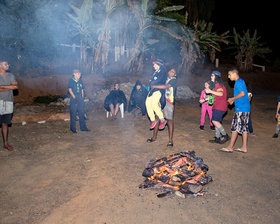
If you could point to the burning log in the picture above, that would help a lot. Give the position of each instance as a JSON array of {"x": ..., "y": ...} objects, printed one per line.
[{"x": 182, "y": 172}]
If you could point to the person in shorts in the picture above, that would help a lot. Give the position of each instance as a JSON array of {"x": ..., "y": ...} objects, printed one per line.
[
  {"x": 277, "y": 116},
  {"x": 8, "y": 83},
  {"x": 219, "y": 107},
  {"x": 242, "y": 113},
  {"x": 168, "y": 111}
]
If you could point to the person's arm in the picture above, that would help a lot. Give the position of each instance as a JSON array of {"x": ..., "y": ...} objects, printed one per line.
[
  {"x": 219, "y": 92},
  {"x": 71, "y": 93},
  {"x": 277, "y": 110},
  {"x": 161, "y": 86},
  {"x": 12, "y": 86},
  {"x": 239, "y": 95}
]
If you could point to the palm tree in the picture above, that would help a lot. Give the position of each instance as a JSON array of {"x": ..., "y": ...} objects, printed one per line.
[
  {"x": 145, "y": 21},
  {"x": 246, "y": 48},
  {"x": 82, "y": 23},
  {"x": 103, "y": 45}
]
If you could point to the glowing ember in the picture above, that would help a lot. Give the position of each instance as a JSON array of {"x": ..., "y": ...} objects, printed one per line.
[{"x": 183, "y": 172}]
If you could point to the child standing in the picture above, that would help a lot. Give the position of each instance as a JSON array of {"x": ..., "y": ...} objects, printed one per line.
[
  {"x": 156, "y": 97},
  {"x": 77, "y": 94},
  {"x": 205, "y": 107},
  {"x": 277, "y": 116}
]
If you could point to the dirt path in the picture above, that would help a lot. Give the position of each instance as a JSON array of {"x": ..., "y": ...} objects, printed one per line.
[{"x": 54, "y": 176}]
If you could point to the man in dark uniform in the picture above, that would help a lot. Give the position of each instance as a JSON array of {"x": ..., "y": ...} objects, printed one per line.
[{"x": 77, "y": 94}]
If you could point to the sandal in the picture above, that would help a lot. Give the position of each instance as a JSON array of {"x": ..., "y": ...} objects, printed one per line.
[
  {"x": 150, "y": 140},
  {"x": 8, "y": 147},
  {"x": 169, "y": 144},
  {"x": 239, "y": 150},
  {"x": 226, "y": 150}
]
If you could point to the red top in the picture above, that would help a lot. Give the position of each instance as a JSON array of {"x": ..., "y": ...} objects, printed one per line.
[{"x": 220, "y": 102}]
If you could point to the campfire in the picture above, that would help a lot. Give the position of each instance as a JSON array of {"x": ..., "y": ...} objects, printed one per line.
[{"x": 182, "y": 173}]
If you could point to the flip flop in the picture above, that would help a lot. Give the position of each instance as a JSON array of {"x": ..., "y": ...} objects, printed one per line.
[
  {"x": 239, "y": 150},
  {"x": 225, "y": 150}
]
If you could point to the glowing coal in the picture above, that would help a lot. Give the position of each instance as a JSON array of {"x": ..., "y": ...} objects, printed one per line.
[{"x": 182, "y": 173}]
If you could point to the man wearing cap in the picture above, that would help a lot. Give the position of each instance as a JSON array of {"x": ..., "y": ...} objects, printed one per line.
[
  {"x": 156, "y": 97},
  {"x": 7, "y": 85},
  {"x": 219, "y": 107},
  {"x": 241, "y": 115}
]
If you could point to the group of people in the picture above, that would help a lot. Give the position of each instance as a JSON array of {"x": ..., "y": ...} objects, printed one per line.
[{"x": 157, "y": 103}]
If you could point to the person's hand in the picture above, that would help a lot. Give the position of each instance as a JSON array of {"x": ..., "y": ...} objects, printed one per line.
[
  {"x": 231, "y": 100},
  {"x": 152, "y": 87},
  {"x": 276, "y": 116},
  {"x": 86, "y": 100}
]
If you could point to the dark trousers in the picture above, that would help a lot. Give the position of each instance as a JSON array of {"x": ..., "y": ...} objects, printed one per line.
[
  {"x": 77, "y": 106},
  {"x": 250, "y": 124},
  {"x": 142, "y": 107}
]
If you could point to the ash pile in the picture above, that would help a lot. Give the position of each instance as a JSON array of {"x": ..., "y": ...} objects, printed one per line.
[{"x": 181, "y": 173}]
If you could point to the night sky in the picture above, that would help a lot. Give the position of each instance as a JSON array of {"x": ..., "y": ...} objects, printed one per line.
[{"x": 251, "y": 15}]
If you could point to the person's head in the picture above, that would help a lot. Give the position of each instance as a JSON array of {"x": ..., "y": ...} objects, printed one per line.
[
  {"x": 172, "y": 72},
  {"x": 157, "y": 64},
  {"x": 117, "y": 86},
  {"x": 233, "y": 74},
  {"x": 138, "y": 84},
  {"x": 206, "y": 85},
  {"x": 4, "y": 65},
  {"x": 215, "y": 75},
  {"x": 77, "y": 74}
]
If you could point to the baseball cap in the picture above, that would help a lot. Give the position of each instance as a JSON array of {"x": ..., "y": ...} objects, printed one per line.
[{"x": 217, "y": 73}]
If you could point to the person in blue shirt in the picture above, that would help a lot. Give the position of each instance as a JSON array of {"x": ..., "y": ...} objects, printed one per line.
[
  {"x": 77, "y": 94},
  {"x": 277, "y": 116},
  {"x": 242, "y": 112}
]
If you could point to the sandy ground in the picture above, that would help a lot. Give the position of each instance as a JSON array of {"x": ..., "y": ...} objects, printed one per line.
[{"x": 54, "y": 176}]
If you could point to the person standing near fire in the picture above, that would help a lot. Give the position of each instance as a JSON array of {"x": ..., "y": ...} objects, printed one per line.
[
  {"x": 8, "y": 83},
  {"x": 219, "y": 107},
  {"x": 168, "y": 110},
  {"x": 156, "y": 97},
  {"x": 241, "y": 115},
  {"x": 77, "y": 95}
]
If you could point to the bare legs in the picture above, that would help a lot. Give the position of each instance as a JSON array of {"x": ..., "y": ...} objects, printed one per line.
[
  {"x": 5, "y": 131},
  {"x": 114, "y": 110},
  {"x": 170, "y": 124},
  {"x": 234, "y": 136}
]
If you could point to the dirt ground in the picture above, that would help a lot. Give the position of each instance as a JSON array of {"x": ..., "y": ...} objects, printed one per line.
[{"x": 54, "y": 176}]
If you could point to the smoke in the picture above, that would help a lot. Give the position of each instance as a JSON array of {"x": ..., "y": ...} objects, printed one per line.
[{"x": 49, "y": 39}]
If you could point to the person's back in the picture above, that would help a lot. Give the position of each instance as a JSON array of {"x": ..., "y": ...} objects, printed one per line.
[{"x": 241, "y": 104}]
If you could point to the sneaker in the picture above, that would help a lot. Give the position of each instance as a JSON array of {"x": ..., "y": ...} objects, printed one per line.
[
  {"x": 153, "y": 124},
  {"x": 225, "y": 138},
  {"x": 212, "y": 127},
  {"x": 215, "y": 140},
  {"x": 86, "y": 129},
  {"x": 162, "y": 125},
  {"x": 275, "y": 136},
  {"x": 201, "y": 127}
]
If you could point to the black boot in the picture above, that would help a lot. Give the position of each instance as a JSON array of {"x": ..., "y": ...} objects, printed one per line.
[
  {"x": 225, "y": 138},
  {"x": 215, "y": 140}
]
